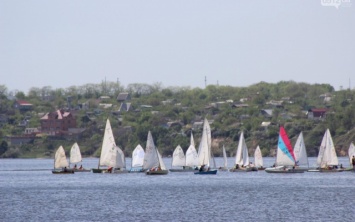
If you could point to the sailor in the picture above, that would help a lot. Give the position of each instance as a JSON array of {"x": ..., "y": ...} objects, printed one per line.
[
  {"x": 74, "y": 166},
  {"x": 110, "y": 169},
  {"x": 81, "y": 167},
  {"x": 353, "y": 162}
]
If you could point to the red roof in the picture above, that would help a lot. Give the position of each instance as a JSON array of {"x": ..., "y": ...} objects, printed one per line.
[{"x": 23, "y": 103}]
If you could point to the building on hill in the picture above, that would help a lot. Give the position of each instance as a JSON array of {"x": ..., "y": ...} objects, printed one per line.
[
  {"x": 22, "y": 105},
  {"x": 57, "y": 122},
  {"x": 124, "y": 96},
  {"x": 317, "y": 113}
]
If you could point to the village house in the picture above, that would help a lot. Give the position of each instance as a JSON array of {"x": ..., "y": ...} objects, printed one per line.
[
  {"x": 317, "y": 113},
  {"x": 57, "y": 122},
  {"x": 22, "y": 105}
]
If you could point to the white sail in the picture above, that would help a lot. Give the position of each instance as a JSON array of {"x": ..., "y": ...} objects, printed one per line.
[
  {"x": 120, "y": 158},
  {"x": 138, "y": 156},
  {"x": 204, "y": 149},
  {"x": 192, "y": 141},
  {"x": 161, "y": 162},
  {"x": 242, "y": 156},
  {"x": 178, "y": 157},
  {"x": 225, "y": 160},
  {"x": 60, "y": 159},
  {"x": 108, "y": 146},
  {"x": 258, "y": 157},
  {"x": 327, "y": 155},
  {"x": 75, "y": 155},
  {"x": 300, "y": 151},
  {"x": 151, "y": 158},
  {"x": 351, "y": 152},
  {"x": 191, "y": 157}
]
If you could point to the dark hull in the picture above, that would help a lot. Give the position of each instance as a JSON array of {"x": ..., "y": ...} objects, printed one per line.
[
  {"x": 158, "y": 172},
  {"x": 62, "y": 172},
  {"x": 95, "y": 170},
  {"x": 182, "y": 170},
  {"x": 249, "y": 169},
  {"x": 212, "y": 172}
]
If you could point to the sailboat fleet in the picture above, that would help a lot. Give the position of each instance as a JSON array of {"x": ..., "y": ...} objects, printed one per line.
[{"x": 288, "y": 159}]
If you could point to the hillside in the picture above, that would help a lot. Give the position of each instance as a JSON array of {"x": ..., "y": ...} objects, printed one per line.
[{"x": 172, "y": 113}]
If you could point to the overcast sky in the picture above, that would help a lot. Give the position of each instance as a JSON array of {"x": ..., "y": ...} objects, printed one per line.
[{"x": 175, "y": 42}]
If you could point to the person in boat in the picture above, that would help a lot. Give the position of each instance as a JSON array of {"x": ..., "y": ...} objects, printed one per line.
[
  {"x": 74, "y": 166},
  {"x": 236, "y": 166},
  {"x": 65, "y": 169},
  {"x": 353, "y": 162},
  {"x": 110, "y": 169},
  {"x": 81, "y": 167},
  {"x": 202, "y": 168}
]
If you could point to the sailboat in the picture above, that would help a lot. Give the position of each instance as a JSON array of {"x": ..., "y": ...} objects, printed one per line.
[
  {"x": 300, "y": 152},
  {"x": 204, "y": 151},
  {"x": 285, "y": 158},
  {"x": 225, "y": 160},
  {"x": 327, "y": 160},
  {"x": 242, "y": 163},
  {"x": 258, "y": 159},
  {"x": 75, "y": 158},
  {"x": 61, "y": 165},
  {"x": 153, "y": 162},
  {"x": 137, "y": 159},
  {"x": 179, "y": 159},
  {"x": 191, "y": 157},
  {"x": 351, "y": 153},
  {"x": 108, "y": 151},
  {"x": 120, "y": 166}
]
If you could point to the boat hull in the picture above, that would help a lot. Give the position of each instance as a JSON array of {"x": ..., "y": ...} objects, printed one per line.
[
  {"x": 182, "y": 170},
  {"x": 330, "y": 170},
  {"x": 282, "y": 170},
  {"x": 62, "y": 172},
  {"x": 157, "y": 172},
  {"x": 95, "y": 170},
  {"x": 136, "y": 171},
  {"x": 248, "y": 169},
  {"x": 212, "y": 172}
]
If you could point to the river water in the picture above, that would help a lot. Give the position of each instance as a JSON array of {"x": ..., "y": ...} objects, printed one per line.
[{"x": 30, "y": 192}]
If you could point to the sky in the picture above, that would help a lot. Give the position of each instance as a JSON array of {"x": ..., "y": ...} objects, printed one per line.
[{"x": 64, "y": 43}]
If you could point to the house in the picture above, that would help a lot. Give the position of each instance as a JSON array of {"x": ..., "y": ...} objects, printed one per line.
[
  {"x": 167, "y": 102},
  {"x": 173, "y": 124},
  {"x": 31, "y": 131},
  {"x": 267, "y": 113},
  {"x": 240, "y": 105},
  {"x": 125, "y": 107},
  {"x": 22, "y": 105},
  {"x": 123, "y": 97},
  {"x": 56, "y": 122},
  {"x": 19, "y": 140},
  {"x": 317, "y": 113},
  {"x": 197, "y": 125},
  {"x": 275, "y": 103}
]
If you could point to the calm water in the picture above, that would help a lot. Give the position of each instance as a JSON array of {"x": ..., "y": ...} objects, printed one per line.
[{"x": 38, "y": 195}]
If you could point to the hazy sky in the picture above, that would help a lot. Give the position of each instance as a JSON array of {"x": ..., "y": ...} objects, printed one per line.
[{"x": 176, "y": 42}]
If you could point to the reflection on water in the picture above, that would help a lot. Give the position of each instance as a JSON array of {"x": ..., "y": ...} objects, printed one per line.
[{"x": 256, "y": 196}]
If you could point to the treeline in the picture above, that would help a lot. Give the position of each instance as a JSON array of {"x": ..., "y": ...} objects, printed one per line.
[{"x": 185, "y": 106}]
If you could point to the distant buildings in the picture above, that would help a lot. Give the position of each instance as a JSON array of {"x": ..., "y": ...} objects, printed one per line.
[{"x": 57, "y": 122}]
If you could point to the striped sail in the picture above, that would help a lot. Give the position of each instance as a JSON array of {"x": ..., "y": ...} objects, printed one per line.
[{"x": 285, "y": 155}]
